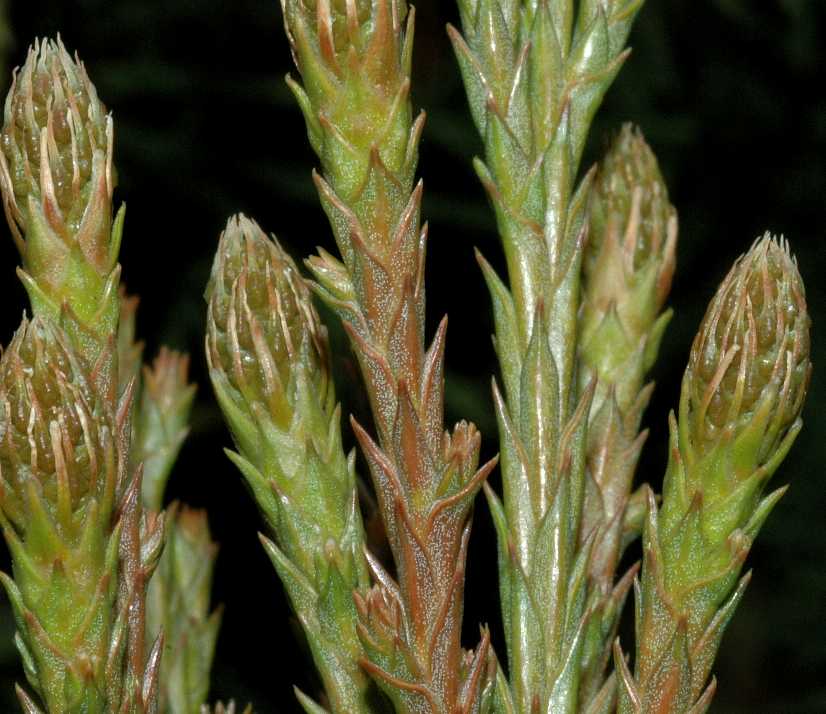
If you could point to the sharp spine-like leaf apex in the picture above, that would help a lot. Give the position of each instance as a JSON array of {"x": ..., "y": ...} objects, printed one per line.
[
  {"x": 740, "y": 405},
  {"x": 57, "y": 180}
]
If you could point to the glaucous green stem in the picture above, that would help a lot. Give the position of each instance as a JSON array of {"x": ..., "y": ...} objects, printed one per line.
[{"x": 535, "y": 74}]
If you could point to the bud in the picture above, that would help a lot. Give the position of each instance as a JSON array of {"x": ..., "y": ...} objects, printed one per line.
[
  {"x": 263, "y": 331},
  {"x": 629, "y": 193},
  {"x": 268, "y": 360},
  {"x": 745, "y": 384},
  {"x": 627, "y": 268},
  {"x": 53, "y": 429},
  {"x": 57, "y": 180},
  {"x": 162, "y": 422},
  {"x": 751, "y": 355},
  {"x": 56, "y": 142},
  {"x": 59, "y": 468}
]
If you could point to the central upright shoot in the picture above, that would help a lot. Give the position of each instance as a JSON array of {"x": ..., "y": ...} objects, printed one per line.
[{"x": 354, "y": 59}]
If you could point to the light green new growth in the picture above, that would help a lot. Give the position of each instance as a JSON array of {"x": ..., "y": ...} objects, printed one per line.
[
  {"x": 178, "y": 598},
  {"x": 627, "y": 269},
  {"x": 740, "y": 405},
  {"x": 57, "y": 179},
  {"x": 177, "y": 604},
  {"x": 626, "y": 275},
  {"x": 82, "y": 547},
  {"x": 177, "y": 601},
  {"x": 75, "y": 587},
  {"x": 269, "y": 364},
  {"x": 162, "y": 421}
]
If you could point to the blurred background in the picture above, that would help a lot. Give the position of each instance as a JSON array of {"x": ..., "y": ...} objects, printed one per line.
[{"x": 731, "y": 94}]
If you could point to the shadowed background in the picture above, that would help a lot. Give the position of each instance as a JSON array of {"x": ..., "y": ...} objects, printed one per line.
[{"x": 731, "y": 94}]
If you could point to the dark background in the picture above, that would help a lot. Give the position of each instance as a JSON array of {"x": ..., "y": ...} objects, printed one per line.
[{"x": 730, "y": 93}]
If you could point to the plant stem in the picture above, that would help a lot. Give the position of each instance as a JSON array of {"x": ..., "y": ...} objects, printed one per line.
[
  {"x": 535, "y": 74},
  {"x": 355, "y": 63}
]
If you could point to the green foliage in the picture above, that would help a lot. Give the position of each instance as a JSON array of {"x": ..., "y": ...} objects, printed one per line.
[
  {"x": 57, "y": 179},
  {"x": 681, "y": 93},
  {"x": 269, "y": 365},
  {"x": 740, "y": 406},
  {"x": 178, "y": 606}
]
